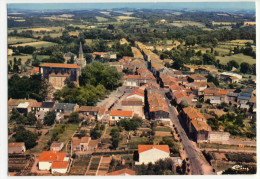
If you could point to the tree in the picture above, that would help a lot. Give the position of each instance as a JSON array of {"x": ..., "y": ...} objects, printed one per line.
[
  {"x": 245, "y": 68},
  {"x": 191, "y": 40},
  {"x": 184, "y": 104},
  {"x": 232, "y": 64},
  {"x": 95, "y": 134},
  {"x": 31, "y": 118},
  {"x": 49, "y": 118},
  {"x": 213, "y": 79},
  {"x": 209, "y": 59},
  {"x": 74, "y": 117},
  {"x": 27, "y": 137}
]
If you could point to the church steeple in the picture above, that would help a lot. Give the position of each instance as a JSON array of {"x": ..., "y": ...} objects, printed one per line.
[
  {"x": 80, "y": 49},
  {"x": 81, "y": 61}
]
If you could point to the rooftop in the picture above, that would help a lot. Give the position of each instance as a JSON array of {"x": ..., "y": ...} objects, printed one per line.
[
  {"x": 143, "y": 148},
  {"x": 50, "y": 156},
  {"x": 59, "y": 65},
  {"x": 124, "y": 171},
  {"x": 121, "y": 113}
]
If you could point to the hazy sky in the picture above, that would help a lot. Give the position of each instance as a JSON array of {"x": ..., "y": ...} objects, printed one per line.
[{"x": 161, "y": 5}]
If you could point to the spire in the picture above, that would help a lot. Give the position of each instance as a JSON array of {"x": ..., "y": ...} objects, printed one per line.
[{"x": 80, "y": 48}]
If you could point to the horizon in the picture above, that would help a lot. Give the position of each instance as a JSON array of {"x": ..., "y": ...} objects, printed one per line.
[{"x": 234, "y": 6}]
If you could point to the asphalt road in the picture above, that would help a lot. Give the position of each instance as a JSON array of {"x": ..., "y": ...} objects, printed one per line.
[{"x": 196, "y": 163}]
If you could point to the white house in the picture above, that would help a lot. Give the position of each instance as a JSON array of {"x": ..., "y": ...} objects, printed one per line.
[
  {"x": 116, "y": 115},
  {"x": 54, "y": 161},
  {"x": 152, "y": 153},
  {"x": 136, "y": 94}
]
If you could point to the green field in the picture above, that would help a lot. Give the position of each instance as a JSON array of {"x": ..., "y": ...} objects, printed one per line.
[
  {"x": 240, "y": 58},
  {"x": 101, "y": 19},
  {"x": 26, "y": 57},
  {"x": 20, "y": 40},
  {"x": 36, "y": 44},
  {"x": 187, "y": 23}
]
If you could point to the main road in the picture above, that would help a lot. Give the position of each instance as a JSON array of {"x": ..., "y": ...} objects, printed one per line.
[{"x": 198, "y": 164}]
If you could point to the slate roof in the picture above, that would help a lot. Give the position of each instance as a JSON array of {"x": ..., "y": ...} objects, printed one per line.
[
  {"x": 65, "y": 106},
  {"x": 47, "y": 104}
]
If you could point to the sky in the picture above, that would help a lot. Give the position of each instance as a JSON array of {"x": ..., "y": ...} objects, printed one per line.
[{"x": 161, "y": 5}]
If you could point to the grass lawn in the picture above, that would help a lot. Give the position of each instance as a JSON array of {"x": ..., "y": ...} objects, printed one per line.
[
  {"x": 164, "y": 129},
  {"x": 38, "y": 44},
  {"x": 135, "y": 141},
  {"x": 70, "y": 128},
  {"x": 239, "y": 58}
]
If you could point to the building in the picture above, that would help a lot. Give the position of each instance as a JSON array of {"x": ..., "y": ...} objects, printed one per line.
[
  {"x": 68, "y": 56},
  {"x": 36, "y": 106},
  {"x": 16, "y": 147},
  {"x": 10, "y": 52},
  {"x": 152, "y": 153},
  {"x": 56, "y": 146},
  {"x": 81, "y": 61},
  {"x": 244, "y": 96},
  {"x": 57, "y": 162},
  {"x": 116, "y": 115},
  {"x": 122, "y": 172},
  {"x": 80, "y": 144},
  {"x": 65, "y": 107},
  {"x": 47, "y": 106},
  {"x": 218, "y": 137},
  {"x": 197, "y": 78},
  {"x": 89, "y": 110},
  {"x": 56, "y": 73},
  {"x": 24, "y": 107}
]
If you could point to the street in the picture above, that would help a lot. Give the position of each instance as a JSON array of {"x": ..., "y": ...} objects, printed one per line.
[{"x": 198, "y": 164}]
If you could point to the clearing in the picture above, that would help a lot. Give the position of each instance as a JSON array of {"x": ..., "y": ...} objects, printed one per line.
[
  {"x": 36, "y": 44},
  {"x": 239, "y": 58}
]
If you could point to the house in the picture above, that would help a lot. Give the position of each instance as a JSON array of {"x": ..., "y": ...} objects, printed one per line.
[
  {"x": 89, "y": 110},
  {"x": 57, "y": 162},
  {"x": 197, "y": 78},
  {"x": 36, "y": 106},
  {"x": 116, "y": 115},
  {"x": 132, "y": 80},
  {"x": 197, "y": 128},
  {"x": 16, "y": 147},
  {"x": 232, "y": 79},
  {"x": 215, "y": 95},
  {"x": 152, "y": 153},
  {"x": 47, "y": 106},
  {"x": 122, "y": 172},
  {"x": 24, "y": 107},
  {"x": 56, "y": 146},
  {"x": 93, "y": 145},
  {"x": 137, "y": 94},
  {"x": 190, "y": 114},
  {"x": 244, "y": 96},
  {"x": 68, "y": 56},
  {"x": 252, "y": 103},
  {"x": 65, "y": 107},
  {"x": 101, "y": 113},
  {"x": 218, "y": 137},
  {"x": 80, "y": 144}
]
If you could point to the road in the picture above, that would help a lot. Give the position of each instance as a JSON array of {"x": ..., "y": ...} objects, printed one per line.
[{"x": 198, "y": 165}]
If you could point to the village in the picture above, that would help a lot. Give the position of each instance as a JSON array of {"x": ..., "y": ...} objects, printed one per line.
[{"x": 158, "y": 113}]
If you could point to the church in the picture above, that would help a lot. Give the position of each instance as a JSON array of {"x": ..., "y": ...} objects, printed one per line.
[{"x": 81, "y": 61}]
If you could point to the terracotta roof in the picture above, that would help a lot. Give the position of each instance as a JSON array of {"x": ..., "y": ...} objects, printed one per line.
[
  {"x": 158, "y": 108},
  {"x": 59, "y": 65},
  {"x": 36, "y": 69},
  {"x": 101, "y": 111},
  {"x": 197, "y": 77},
  {"x": 59, "y": 164},
  {"x": 122, "y": 172},
  {"x": 98, "y": 53},
  {"x": 132, "y": 103},
  {"x": 89, "y": 108},
  {"x": 200, "y": 125},
  {"x": 93, "y": 143},
  {"x": 121, "y": 113},
  {"x": 143, "y": 148},
  {"x": 37, "y": 105},
  {"x": 14, "y": 102},
  {"x": 50, "y": 156},
  {"x": 132, "y": 77},
  {"x": 16, "y": 144},
  {"x": 193, "y": 113}
]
